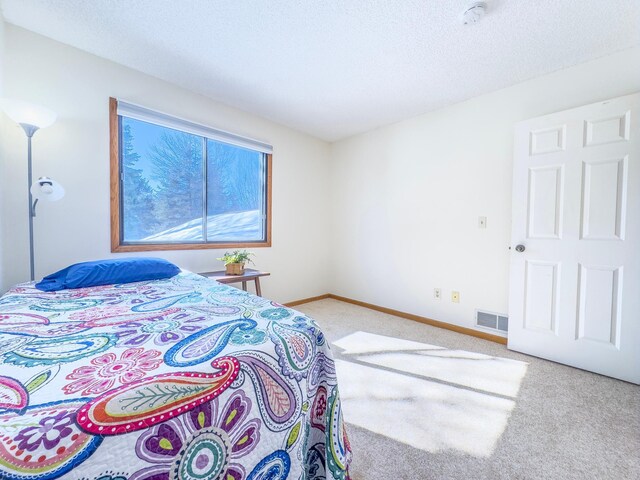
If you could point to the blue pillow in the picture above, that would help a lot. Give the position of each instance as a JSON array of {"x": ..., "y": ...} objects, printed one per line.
[{"x": 106, "y": 272}]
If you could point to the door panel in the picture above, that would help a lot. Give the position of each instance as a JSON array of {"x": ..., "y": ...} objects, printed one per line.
[
  {"x": 541, "y": 294},
  {"x": 604, "y": 202},
  {"x": 607, "y": 130},
  {"x": 548, "y": 140},
  {"x": 545, "y": 201},
  {"x": 575, "y": 289},
  {"x": 599, "y": 304}
]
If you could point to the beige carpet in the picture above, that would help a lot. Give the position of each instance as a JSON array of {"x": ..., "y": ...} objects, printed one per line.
[{"x": 426, "y": 403}]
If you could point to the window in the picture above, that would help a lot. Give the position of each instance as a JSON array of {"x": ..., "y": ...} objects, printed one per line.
[{"x": 176, "y": 184}]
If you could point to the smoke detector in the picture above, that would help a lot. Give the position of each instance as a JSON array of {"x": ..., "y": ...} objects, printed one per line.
[{"x": 474, "y": 13}]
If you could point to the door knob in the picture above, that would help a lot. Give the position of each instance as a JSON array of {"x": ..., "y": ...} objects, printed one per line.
[{"x": 520, "y": 248}]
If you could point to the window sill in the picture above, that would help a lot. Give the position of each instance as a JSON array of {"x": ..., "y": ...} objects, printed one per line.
[{"x": 118, "y": 248}]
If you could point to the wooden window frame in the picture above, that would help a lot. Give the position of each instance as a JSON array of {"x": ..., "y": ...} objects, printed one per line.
[{"x": 118, "y": 246}]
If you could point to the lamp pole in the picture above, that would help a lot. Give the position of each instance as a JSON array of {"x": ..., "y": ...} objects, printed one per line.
[
  {"x": 30, "y": 130},
  {"x": 31, "y": 118}
]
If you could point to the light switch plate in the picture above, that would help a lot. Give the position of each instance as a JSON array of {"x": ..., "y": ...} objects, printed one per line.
[{"x": 482, "y": 222}]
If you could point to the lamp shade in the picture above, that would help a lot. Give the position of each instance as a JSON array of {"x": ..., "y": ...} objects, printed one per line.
[
  {"x": 47, "y": 189},
  {"x": 26, "y": 113}
]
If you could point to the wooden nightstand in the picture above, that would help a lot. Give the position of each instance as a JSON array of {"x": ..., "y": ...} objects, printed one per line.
[{"x": 248, "y": 275}]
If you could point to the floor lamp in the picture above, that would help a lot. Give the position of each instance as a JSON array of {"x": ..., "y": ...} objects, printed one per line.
[{"x": 31, "y": 118}]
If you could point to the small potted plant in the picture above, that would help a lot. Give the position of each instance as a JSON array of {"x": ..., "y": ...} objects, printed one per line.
[{"x": 234, "y": 261}]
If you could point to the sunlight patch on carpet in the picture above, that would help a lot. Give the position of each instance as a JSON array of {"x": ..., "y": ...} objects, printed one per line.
[
  {"x": 501, "y": 376},
  {"x": 426, "y": 396}
]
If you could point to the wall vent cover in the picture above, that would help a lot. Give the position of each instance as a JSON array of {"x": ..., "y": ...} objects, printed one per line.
[{"x": 494, "y": 321}]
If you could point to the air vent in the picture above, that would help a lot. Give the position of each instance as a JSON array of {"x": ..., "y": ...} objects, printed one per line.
[
  {"x": 494, "y": 321},
  {"x": 503, "y": 323}
]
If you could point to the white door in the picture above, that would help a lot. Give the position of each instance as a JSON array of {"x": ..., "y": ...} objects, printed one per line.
[{"x": 575, "y": 289}]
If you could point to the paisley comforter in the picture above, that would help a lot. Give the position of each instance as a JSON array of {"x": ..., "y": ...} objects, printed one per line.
[{"x": 181, "y": 378}]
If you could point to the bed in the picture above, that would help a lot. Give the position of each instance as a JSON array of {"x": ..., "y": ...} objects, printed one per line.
[{"x": 181, "y": 378}]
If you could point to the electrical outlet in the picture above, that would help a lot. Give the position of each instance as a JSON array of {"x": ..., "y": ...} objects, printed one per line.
[
  {"x": 437, "y": 293},
  {"x": 482, "y": 222},
  {"x": 455, "y": 297}
]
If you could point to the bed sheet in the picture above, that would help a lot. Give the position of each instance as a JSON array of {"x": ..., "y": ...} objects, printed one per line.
[{"x": 182, "y": 378}]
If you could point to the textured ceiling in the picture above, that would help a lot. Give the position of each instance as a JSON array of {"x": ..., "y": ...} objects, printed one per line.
[{"x": 334, "y": 68}]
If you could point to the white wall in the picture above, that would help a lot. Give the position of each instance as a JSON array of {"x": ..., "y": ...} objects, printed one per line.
[
  {"x": 75, "y": 151},
  {"x": 383, "y": 217},
  {"x": 3, "y": 127},
  {"x": 406, "y": 198}
]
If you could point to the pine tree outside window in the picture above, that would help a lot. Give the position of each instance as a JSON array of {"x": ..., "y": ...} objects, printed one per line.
[{"x": 181, "y": 185}]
